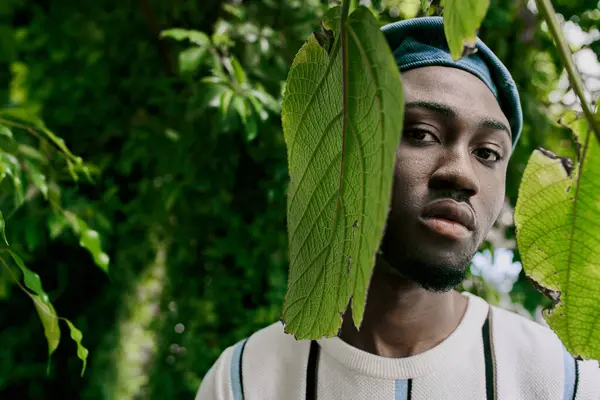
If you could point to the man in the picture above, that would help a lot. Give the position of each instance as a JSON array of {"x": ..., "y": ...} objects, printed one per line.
[{"x": 420, "y": 339}]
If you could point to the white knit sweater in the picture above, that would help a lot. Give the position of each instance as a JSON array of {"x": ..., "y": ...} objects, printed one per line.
[{"x": 492, "y": 354}]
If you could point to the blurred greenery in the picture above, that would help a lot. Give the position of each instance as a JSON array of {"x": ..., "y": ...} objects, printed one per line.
[{"x": 179, "y": 193}]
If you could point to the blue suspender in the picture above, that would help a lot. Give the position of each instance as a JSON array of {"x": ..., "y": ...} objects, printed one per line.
[
  {"x": 235, "y": 373},
  {"x": 571, "y": 377}
]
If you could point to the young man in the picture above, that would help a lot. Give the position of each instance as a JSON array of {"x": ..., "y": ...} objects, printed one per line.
[{"x": 420, "y": 339}]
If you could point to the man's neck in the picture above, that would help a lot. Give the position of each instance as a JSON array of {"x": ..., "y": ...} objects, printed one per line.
[{"x": 402, "y": 319}]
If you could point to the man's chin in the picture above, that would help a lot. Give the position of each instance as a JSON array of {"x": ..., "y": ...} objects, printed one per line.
[{"x": 432, "y": 277}]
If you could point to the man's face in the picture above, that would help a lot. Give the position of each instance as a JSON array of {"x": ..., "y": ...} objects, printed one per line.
[{"x": 450, "y": 176}]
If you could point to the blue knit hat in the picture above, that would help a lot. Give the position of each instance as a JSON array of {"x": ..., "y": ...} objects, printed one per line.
[{"x": 420, "y": 42}]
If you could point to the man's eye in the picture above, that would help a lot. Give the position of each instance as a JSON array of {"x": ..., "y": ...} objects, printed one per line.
[
  {"x": 487, "y": 154},
  {"x": 420, "y": 135}
]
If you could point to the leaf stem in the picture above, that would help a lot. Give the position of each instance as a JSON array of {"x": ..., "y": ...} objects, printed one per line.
[
  {"x": 345, "y": 11},
  {"x": 547, "y": 10}
]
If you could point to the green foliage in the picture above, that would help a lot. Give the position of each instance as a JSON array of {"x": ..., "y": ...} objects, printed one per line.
[
  {"x": 342, "y": 124},
  {"x": 175, "y": 158},
  {"x": 21, "y": 161},
  {"x": 45, "y": 309},
  {"x": 462, "y": 20},
  {"x": 557, "y": 214}
]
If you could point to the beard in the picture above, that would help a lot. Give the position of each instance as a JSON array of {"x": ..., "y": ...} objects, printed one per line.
[
  {"x": 432, "y": 277},
  {"x": 435, "y": 273}
]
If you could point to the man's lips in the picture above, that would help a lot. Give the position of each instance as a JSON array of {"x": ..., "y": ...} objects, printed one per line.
[{"x": 449, "y": 217}]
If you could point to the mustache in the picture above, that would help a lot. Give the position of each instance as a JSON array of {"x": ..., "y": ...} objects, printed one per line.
[{"x": 460, "y": 196}]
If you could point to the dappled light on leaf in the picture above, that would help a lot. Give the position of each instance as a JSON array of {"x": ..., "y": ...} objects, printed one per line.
[{"x": 557, "y": 218}]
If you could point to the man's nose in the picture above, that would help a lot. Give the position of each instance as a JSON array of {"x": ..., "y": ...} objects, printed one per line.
[{"x": 455, "y": 172}]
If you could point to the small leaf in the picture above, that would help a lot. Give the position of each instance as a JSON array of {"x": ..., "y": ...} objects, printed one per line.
[
  {"x": 342, "y": 118},
  {"x": 90, "y": 240},
  {"x": 72, "y": 170},
  {"x": 217, "y": 80},
  {"x": 267, "y": 100},
  {"x": 32, "y": 153},
  {"x": 462, "y": 19},
  {"x": 172, "y": 135},
  {"x": 190, "y": 59},
  {"x": 225, "y": 102},
  {"x": 251, "y": 128},
  {"x": 199, "y": 38},
  {"x": 5, "y": 131},
  {"x": 238, "y": 70},
  {"x": 258, "y": 107},
  {"x": 8, "y": 144},
  {"x": 2, "y": 227},
  {"x": 234, "y": 10},
  {"x": 38, "y": 178},
  {"x": 3, "y": 170},
  {"x": 425, "y": 5},
  {"x": 6, "y": 283},
  {"x": 49, "y": 320},
  {"x": 241, "y": 107},
  {"x": 31, "y": 279},
  {"x": 10, "y": 166},
  {"x": 82, "y": 352},
  {"x": 29, "y": 116},
  {"x": 56, "y": 224}
]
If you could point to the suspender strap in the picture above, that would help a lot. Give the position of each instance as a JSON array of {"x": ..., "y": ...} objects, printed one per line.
[
  {"x": 490, "y": 367},
  {"x": 571, "y": 377},
  {"x": 235, "y": 373},
  {"x": 312, "y": 371},
  {"x": 488, "y": 352}
]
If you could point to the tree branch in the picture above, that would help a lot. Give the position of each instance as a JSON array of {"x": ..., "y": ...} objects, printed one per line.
[{"x": 547, "y": 11}]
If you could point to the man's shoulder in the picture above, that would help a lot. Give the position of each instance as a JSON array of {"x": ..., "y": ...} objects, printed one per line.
[
  {"x": 533, "y": 358},
  {"x": 523, "y": 332},
  {"x": 272, "y": 342},
  {"x": 269, "y": 361},
  {"x": 519, "y": 340},
  {"x": 272, "y": 352}
]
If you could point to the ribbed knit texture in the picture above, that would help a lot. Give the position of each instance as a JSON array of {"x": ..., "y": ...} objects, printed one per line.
[{"x": 528, "y": 365}]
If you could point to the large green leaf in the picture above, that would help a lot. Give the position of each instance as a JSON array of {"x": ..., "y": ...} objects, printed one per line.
[
  {"x": 557, "y": 217},
  {"x": 462, "y": 19},
  {"x": 342, "y": 119}
]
